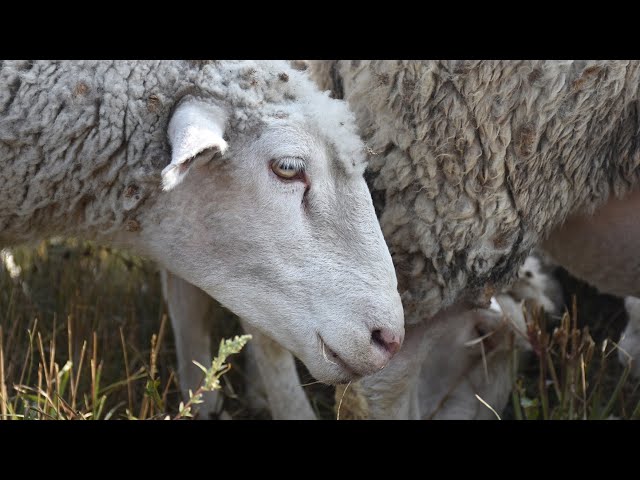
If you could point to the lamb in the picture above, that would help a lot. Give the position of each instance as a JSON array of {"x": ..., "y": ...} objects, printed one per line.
[
  {"x": 469, "y": 353},
  {"x": 476, "y": 162},
  {"x": 241, "y": 178}
]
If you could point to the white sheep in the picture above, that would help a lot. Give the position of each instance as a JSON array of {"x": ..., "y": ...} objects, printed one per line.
[
  {"x": 239, "y": 177},
  {"x": 629, "y": 345},
  {"x": 476, "y": 162}
]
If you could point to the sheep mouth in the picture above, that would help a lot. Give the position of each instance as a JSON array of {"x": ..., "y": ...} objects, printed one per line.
[{"x": 333, "y": 358}]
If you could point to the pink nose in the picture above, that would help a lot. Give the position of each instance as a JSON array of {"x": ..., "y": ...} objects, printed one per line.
[{"x": 387, "y": 340}]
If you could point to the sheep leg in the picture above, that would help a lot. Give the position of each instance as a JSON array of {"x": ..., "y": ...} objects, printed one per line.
[
  {"x": 255, "y": 391},
  {"x": 287, "y": 399},
  {"x": 602, "y": 248},
  {"x": 189, "y": 309}
]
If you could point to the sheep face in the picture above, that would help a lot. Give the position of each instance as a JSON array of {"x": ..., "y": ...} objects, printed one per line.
[{"x": 276, "y": 222}]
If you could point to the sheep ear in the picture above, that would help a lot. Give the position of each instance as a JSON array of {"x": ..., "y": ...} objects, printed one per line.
[{"x": 195, "y": 133}]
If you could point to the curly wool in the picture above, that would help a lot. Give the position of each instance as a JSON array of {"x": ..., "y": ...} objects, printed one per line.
[
  {"x": 476, "y": 161},
  {"x": 82, "y": 143}
]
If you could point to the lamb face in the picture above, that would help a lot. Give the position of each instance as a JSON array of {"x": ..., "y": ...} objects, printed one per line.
[{"x": 473, "y": 357}]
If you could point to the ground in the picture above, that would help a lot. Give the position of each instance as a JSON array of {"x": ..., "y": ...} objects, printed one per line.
[{"x": 84, "y": 334}]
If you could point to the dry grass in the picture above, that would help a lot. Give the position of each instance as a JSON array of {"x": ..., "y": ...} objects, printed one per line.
[
  {"x": 84, "y": 334},
  {"x": 570, "y": 376}
]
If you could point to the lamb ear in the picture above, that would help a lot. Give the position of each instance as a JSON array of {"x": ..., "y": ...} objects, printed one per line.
[{"x": 195, "y": 130}]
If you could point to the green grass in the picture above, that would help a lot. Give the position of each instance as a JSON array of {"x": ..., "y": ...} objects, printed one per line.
[{"x": 84, "y": 334}]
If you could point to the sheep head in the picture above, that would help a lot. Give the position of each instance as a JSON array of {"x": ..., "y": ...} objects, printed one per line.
[{"x": 266, "y": 209}]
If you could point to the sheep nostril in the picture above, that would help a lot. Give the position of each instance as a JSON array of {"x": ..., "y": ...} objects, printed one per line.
[{"x": 387, "y": 340}]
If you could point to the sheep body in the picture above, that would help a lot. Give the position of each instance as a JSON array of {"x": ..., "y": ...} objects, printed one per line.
[
  {"x": 474, "y": 163},
  {"x": 477, "y": 161}
]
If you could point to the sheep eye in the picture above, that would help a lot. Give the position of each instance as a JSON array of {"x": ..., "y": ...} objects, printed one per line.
[
  {"x": 528, "y": 274},
  {"x": 288, "y": 168}
]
